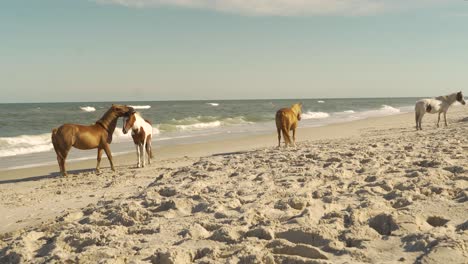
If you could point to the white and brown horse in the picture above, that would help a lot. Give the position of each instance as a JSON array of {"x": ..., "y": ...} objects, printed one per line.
[
  {"x": 142, "y": 134},
  {"x": 286, "y": 120},
  {"x": 97, "y": 136},
  {"x": 438, "y": 105}
]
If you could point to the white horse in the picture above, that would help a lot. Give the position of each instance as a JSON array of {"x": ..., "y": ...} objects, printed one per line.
[
  {"x": 438, "y": 105},
  {"x": 142, "y": 133}
]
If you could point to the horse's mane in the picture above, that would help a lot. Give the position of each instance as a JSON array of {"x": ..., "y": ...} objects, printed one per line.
[
  {"x": 448, "y": 97},
  {"x": 146, "y": 120},
  {"x": 108, "y": 121},
  {"x": 297, "y": 108}
]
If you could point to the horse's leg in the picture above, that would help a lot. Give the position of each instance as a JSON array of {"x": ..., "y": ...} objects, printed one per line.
[
  {"x": 64, "y": 157},
  {"x": 148, "y": 149},
  {"x": 417, "y": 119},
  {"x": 285, "y": 128},
  {"x": 99, "y": 155},
  {"x": 279, "y": 136},
  {"x": 438, "y": 120},
  {"x": 143, "y": 152},
  {"x": 138, "y": 154},
  {"x": 420, "y": 119},
  {"x": 294, "y": 137},
  {"x": 445, "y": 118},
  {"x": 109, "y": 155}
]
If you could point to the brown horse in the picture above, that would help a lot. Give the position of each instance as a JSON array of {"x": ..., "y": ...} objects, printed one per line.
[
  {"x": 286, "y": 120},
  {"x": 97, "y": 136}
]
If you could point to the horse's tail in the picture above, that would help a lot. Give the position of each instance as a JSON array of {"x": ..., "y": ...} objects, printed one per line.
[
  {"x": 148, "y": 147},
  {"x": 149, "y": 150},
  {"x": 280, "y": 124},
  {"x": 55, "y": 143}
]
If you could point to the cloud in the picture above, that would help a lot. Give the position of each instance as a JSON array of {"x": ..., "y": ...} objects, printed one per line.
[{"x": 285, "y": 7}]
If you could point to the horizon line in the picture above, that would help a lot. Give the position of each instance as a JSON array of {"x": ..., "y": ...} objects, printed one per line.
[{"x": 186, "y": 100}]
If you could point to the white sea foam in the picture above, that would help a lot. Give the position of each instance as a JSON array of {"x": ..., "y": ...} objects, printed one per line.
[
  {"x": 87, "y": 108},
  {"x": 349, "y": 112},
  {"x": 213, "y": 104},
  {"x": 390, "y": 109},
  {"x": 384, "y": 110},
  {"x": 197, "y": 126},
  {"x": 25, "y": 144},
  {"x": 320, "y": 102},
  {"x": 141, "y": 106},
  {"x": 314, "y": 115}
]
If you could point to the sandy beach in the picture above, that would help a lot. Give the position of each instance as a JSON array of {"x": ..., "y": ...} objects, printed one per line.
[{"x": 367, "y": 191}]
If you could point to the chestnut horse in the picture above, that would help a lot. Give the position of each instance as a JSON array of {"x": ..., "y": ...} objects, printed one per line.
[
  {"x": 286, "y": 120},
  {"x": 142, "y": 133},
  {"x": 97, "y": 136}
]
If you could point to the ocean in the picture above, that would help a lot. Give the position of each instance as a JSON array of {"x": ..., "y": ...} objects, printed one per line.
[{"x": 25, "y": 134}]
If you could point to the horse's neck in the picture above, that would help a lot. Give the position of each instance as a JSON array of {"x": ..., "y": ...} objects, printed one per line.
[
  {"x": 109, "y": 121},
  {"x": 138, "y": 123},
  {"x": 448, "y": 99},
  {"x": 112, "y": 126}
]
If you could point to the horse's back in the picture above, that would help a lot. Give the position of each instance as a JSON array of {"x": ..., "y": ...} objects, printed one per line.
[
  {"x": 428, "y": 105},
  {"x": 285, "y": 116},
  {"x": 81, "y": 136}
]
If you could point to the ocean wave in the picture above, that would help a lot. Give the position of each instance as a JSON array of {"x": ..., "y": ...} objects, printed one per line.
[
  {"x": 389, "y": 109},
  {"x": 25, "y": 144},
  {"x": 314, "y": 115},
  {"x": 202, "y": 122},
  {"x": 213, "y": 104},
  {"x": 349, "y": 112},
  {"x": 320, "y": 101},
  {"x": 384, "y": 110},
  {"x": 197, "y": 126},
  {"x": 87, "y": 108},
  {"x": 141, "y": 106}
]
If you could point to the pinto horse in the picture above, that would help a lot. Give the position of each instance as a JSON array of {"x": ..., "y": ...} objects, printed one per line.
[
  {"x": 438, "y": 105},
  {"x": 97, "y": 136},
  {"x": 142, "y": 133},
  {"x": 286, "y": 120}
]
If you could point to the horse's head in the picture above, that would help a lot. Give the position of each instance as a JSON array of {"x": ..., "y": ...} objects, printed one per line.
[
  {"x": 297, "y": 108},
  {"x": 460, "y": 98},
  {"x": 128, "y": 122},
  {"x": 122, "y": 110}
]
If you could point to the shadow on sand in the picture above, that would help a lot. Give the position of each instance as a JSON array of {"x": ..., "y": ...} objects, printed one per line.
[
  {"x": 229, "y": 153},
  {"x": 48, "y": 176}
]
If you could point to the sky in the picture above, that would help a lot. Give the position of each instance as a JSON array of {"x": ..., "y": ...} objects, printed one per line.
[{"x": 135, "y": 50}]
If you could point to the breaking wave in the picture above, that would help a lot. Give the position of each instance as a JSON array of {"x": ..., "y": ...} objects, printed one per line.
[
  {"x": 87, "y": 108},
  {"x": 314, "y": 115},
  {"x": 25, "y": 144},
  {"x": 141, "y": 106}
]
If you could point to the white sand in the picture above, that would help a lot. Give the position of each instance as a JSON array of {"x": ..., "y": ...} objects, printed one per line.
[{"x": 372, "y": 191}]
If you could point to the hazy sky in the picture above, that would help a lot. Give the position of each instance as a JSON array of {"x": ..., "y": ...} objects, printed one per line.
[{"x": 85, "y": 50}]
